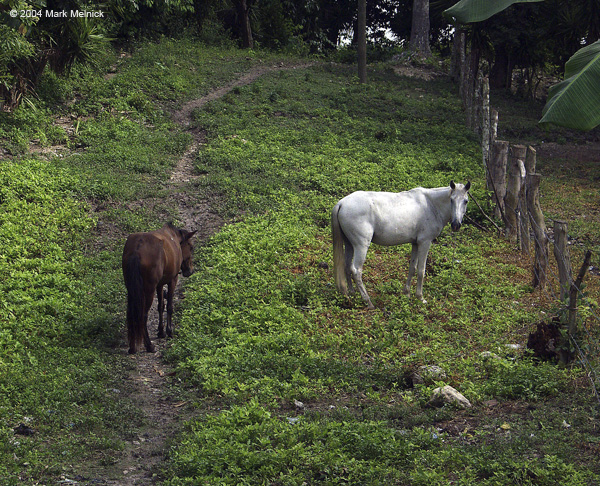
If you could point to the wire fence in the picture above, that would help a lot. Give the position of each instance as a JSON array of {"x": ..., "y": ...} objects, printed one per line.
[
  {"x": 578, "y": 314},
  {"x": 585, "y": 334}
]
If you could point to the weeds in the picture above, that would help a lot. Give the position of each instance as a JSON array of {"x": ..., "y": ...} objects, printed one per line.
[{"x": 261, "y": 325}]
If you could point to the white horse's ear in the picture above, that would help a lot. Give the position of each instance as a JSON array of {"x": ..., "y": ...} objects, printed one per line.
[
  {"x": 452, "y": 185},
  {"x": 468, "y": 186}
]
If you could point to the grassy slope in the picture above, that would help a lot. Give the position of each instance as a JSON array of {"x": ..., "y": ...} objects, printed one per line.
[
  {"x": 261, "y": 324},
  {"x": 94, "y": 142}
]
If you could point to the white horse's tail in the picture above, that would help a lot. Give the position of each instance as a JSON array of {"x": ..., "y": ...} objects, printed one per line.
[{"x": 339, "y": 273}]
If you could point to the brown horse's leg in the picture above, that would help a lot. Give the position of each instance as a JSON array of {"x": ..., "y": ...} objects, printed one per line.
[
  {"x": 132, "y": 344},
  {"x": 161, "y": 308},
  {"x": 147, "y": 305},
  {"x": 170, "y": 294},
  {"x": 147, "y": 342}
]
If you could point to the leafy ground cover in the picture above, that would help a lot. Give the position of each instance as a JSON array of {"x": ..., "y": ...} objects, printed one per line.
[
  {"x": 74, "y": 166},
  {"x": 261, "y": 325}
]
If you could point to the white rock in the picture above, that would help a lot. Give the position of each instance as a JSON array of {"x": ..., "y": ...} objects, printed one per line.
[{"x": 447, "y": 394}]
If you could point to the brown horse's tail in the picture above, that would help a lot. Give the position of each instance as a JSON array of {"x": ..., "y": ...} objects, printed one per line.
[
  {"x": 338, "y": 252},
  {"x": 135, "y": 301}
]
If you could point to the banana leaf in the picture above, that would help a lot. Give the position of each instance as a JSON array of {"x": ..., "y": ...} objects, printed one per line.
[
  {"x": 575, "y": 102},
  {"x": 468, "y": 11}
]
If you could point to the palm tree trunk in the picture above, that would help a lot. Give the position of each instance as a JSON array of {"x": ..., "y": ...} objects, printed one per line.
[
  {"x": 362, "y": 41},
  {"x": 419, "y": 33}
]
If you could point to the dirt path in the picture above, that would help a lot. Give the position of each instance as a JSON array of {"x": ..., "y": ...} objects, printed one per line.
[{"x": 147, "y": 385}]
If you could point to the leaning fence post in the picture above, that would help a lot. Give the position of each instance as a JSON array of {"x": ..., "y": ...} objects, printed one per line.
[
  {"x": 563, "y": 260},
  {"x": 516, "y": 169},
  {"x": 539, "y": 230},
  {"x": 575, "y": 288},
  {"x": 530, "y": 160},
  {"x": 497, "y": 175}
]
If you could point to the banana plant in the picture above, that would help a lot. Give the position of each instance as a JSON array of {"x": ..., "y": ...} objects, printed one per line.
[
  {"x": 469, "y": 11},
  {"x": 575, "y": 102},
  {"x": 572, "y": 103}
]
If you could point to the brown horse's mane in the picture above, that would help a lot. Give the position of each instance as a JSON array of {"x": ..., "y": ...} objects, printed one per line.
[{"x": 175, "y": 229}]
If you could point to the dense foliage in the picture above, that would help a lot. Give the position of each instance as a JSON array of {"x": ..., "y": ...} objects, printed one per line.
[{"x": 533, "y": 38}]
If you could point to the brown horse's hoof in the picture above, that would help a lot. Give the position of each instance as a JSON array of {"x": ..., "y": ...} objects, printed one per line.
[{"x": 132, "y": 351}]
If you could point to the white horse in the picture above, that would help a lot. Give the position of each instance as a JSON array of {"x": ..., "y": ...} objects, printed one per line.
[{"x": 389, "y": 218}]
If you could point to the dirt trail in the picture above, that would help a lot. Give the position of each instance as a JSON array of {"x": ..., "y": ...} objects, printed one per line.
[{"x": 147, "y": 385}]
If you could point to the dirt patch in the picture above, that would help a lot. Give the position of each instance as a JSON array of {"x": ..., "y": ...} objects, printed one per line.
[
  {"x": 588, "y": 153},
  {"x": 416, "y": 72},
  {"x": 183, "y": 115}
]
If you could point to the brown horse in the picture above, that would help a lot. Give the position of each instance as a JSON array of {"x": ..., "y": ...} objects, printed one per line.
[{"x": 151, "y": 260}]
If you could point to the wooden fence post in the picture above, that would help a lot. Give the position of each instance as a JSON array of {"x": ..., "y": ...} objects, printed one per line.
[
  {"x": 493, "y": 123},
  {"x": 497, "y": 175},
  {"x": 563, "y": 260},
  {"x": 516, "y": 172},
  {"x": 524, "y": 226},
  {"x": 539, "y": 230},
  {"x": 530, "y": 160},
  {"x": 575, "y": 288},
  {"x": 486, "y": 129}
]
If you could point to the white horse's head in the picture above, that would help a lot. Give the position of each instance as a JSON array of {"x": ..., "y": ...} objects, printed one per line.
[{"x": 459, "y": 197}]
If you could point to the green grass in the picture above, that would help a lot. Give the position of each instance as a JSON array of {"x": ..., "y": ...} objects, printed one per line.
[
  {"x": 261, "y": 324},
  {"x": 61, "y": 293},
  {"x": 50, "y": 380}
]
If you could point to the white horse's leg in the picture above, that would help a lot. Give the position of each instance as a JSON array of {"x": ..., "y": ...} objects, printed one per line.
[
  {"x": 360, "y": 255},
  {"x": 412, "y": 267},
  {"x": 422, "y": 260}
]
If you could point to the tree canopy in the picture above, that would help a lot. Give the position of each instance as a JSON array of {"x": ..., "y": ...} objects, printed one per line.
[
  {"x": 574, "y": 102},
  {"x": 535, "y": 36}
]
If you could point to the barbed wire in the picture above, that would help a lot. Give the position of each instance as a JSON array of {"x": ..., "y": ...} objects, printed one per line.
[
  {"x": 592, "y": 342},
  {"x": 590, "y": 360}
]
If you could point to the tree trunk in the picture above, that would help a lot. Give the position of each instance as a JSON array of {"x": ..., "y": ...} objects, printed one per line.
[
  {"x": 501, "y": 70},
  {"x": 539, "y": 229},
  {"x": 516, "y": 173},
  {"x": 470, "y": 87},
  {"x": 486, "y": 136},
  {"x": 201, "y": 10},
  {"x": 243, "y": 11},
  {"x": 362, "y": 41},
  {"x": 419, "y": 34},
  {"x": 458, "y": 53}
]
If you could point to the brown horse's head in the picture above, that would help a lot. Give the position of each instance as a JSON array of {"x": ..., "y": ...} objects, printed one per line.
[{"x": 187, "y": 249}]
